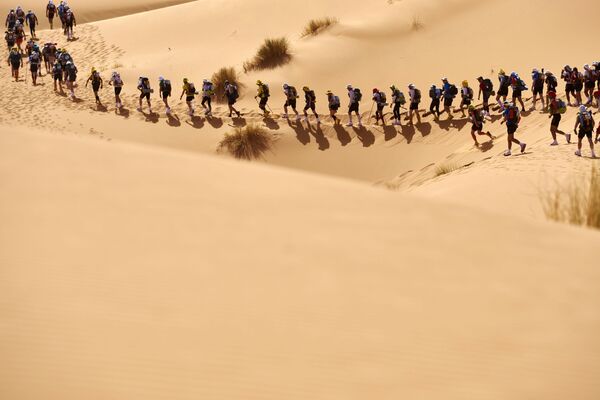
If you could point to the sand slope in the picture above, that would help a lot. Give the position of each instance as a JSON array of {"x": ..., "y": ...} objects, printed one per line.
[{"x": 131, "y": 273}]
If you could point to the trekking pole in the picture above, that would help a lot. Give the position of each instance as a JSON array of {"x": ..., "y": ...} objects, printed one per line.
[{"x": 371, "y": 112}]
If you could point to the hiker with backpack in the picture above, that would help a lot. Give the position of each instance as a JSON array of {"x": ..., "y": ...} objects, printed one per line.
[
  {"x": 50, "y": 11},
  {"x": 310, "y": 100},
  {"x": 556, "y": 107},
  {"x": 537, "y": 84},
  {"x": 34, "y": 62},
  {"x": 11, "y": 39},
  {"x": 11, "y": 20},
  {"x": 117, "y": 83},
  {"x": 577, "y": 78},
  {"x": 589, "y": 78},
  {"x": 189, "y": 90},
  {"x": 334, "y": 104},
  {"x": 567, "y": 76},
  {"x": 164, "y": 92},
  {"x": 486, "y": 87},
  {"x": 263, "y": 94},
  {"x": 586, "y": 124},
  {"x": 49, "y": 55},
  {"x": 355, "y": 96},
  {"x": 70, "y": 22},
  {"x": 20, "y": 34},
  {"x": 291, "y": 94},
  {"x": 477, "y": 118},
  {"x": 518, "y": 86},
  {"x": 61, "y": 14},
  {"x": 398, "y": 100},
  {"x": 512, "y": 117},
  {"x": 380, "y": 102},
  {"x": 551, "y": 84},
  {"x": 232, "y": 93},
  {"x": 32, "y": 20},
  {"x": 71, "y": 77},
  {"x": 435, "y": 94},
  {"x": 466, "y": 95},
  {"x": 15, "y": 61},
  {"x": 502, "y": 93},
  {"x": 97, "y": 84},
  {"x": 208, "y": 91},
  {"x": 415, "y": 98},
  {"x": 145, "y": 91},
  {"x": 57, "y": 76},
  {"x": 449, "y": 92},
  {"x": 20, "y": 15}
]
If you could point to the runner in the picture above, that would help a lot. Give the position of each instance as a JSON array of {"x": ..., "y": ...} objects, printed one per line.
[
  {"x": 32, "y": 20},
  {"x": 415, "y": 98},
  {"x": 586, "y": 123},
  {"x": 208, "y": 92},
  {"x": 164, "y": 87},
  {"x": 449, "y": 91},
  {"x": 11, "y": 39},
  {"x": 466, "y": 95},
  {"x": 577, "y": 78},
  {"x": 354, "y": 96},
  {"x": 477, "y": 117},
  {"x": 70, "y": 22},
  {"x": 15, "y": 61},
  {"x": 556, "y": 108},
  {"x": 20, "y": 34},
  {"x": 379, "y": 99},
  {"x": 567, "y": 76},
  {"x": 334, "y": 105},
  {"x": 145, "y": 91},
  {"x": 50, "y": 11},
  {"x": 291, "y": 94},
  {"x": 487, "y": 88},
  {"x": 310, "y": 100},
  {"x": 49, "y": 55},
  {"x": 537, "y": 83},
  {"x": 61, "y": 14},
  {"x": 398, "y": 100},
  {"x": 232, "y": 94},
  {"x": 263, "y": 94},
  {"x": 20, "y": 15},
  {"x": 34, "y": 62},
  {"x": 551, "y": 84},
  {"x": 589, "y": 77},
  {"x": 97, "y": 84},
  {"x": 71, "y": 77},
  {"x": 512, "y": 117},
  {"x": 502, "y": 93},
  {"x": 11, "y": 20},
  {"x": 518, "y": 86},
  {"x": 57, "y": 75},
  {"x": 117, "y": 83},
  {"x": 190, "y": 92}
]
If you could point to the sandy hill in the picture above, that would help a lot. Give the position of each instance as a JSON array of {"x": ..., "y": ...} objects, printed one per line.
[{"x": 132, "y": 273}]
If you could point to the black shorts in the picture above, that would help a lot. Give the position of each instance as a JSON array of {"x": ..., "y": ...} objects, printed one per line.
[
  {"x": 263, "y": 101},
  {"x": 503, "y": 91},
  {"x": 414, "y": 106},
  {"x": 230, "y": 101},
  {"x": 486, "y": 96},
  {"x": 569, "y": 88},
  {"x": 118, "y": 90},
  {"x": 578, "y": 86},
  {"x": 538, "y": 89},
  {"x": 334, "y": 108},
  {"x": 145, "y": 95},
  {"x": 290, "y": 103},
  {"x": 516, "y": 93},
  {"x": 511, "y": 128},
  {"x": 448, "y": 101},
  {"x": 189, "y": 98},
  {"x": 477, "y": 127},
  {"x": 95, "y": 87},
  {"x": 590, "y": 84},
  {"x": 15, "y": 65},
  {"x": 58, "y": 77},
  {"x": 555, "y": 120},
  {"x": 584, "y": 133},
  {"x": 10, "y": 44},
  {"x": 465, "y": 102},
  {"x": 165, "y": 95},
  {"x": 310, "y": 106},
  {"x": 353, "y": 108}
]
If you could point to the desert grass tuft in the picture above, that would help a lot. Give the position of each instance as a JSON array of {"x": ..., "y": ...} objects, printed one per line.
[
  {"x": 316, "y": 26},
  {"x": 271, "y": 54},
  {"x": 247, "y": 143},
  {"x": 219, "y": 78}
]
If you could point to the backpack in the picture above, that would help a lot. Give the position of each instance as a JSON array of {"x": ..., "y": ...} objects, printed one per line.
[
  {"x": 521, "y": 85},
  {"x": 488, "y": 86},
  {"x": 51, "y": 7},
  {"x": 234, "y": 93},
  {"x": 15, "y": 57},
  {"x": 477, "y": 117},
  {"x": 561, "y": 106},
  {"x": 399, "y": 97},
  {"x": 292, "y": 92},
  {"x": 334, "y": 102},
  {"x": 382, "y": 97},
  {"x": 265, "y": 90},
  {"x": 551, "y": 81},
  {"x": 357, "y": 95},
  {"x": 35, "y": 58},
  {"x": 469, "y": 94},
  {"x": 312, "y": 96},
  {"x": 417, "y": 97},
  {"x": 57, "y": 69},
  {"x": 191, "y": 88},
  {"x": 165, "y": 86},
  {"x": 586, "y": 121},
  {"x": 513, "y": 115},
  {"x": 453, "y": 90}
]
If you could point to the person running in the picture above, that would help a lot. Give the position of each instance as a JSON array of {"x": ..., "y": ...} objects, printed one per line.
[
  {"x": 502, "y": 93},
  {"x": 589, "y": 78},
  {"x": 49, "y": 55},
  {"x": 263, "y": 94},
  {"x": 71, "y": 77},
  {"x": 380, "y": 102},
  {"x": 537, "y": 83},
  {"x": 11, "y": 39},
  {"x": 30, "y": 47},
  {"x": 61, "y": 14},
  {"x": 567, "y": 76},
  {"x": 208, "y": 91},
  {"x": 34, "y": 64},
  {"x": 334, "y": 104},
  {"x": 486, "y": 87},
  {"x": 20, "y": 34},
  {"x": 97, "y": 84},
  {"x": 477, "y": 118},
  {"x": 291, "y": 94},
  {"x": 577, "y": 86},
  {"x": 70, "y": 22},
  {"x": 310, "y": 100},
  {"x": 398, "y": 100},
  {"x": 11, "y": 20},
  {"x": 556, "y": 108},
  {"x": 466, "y": 95},
  {"x": 518, "y": 86},
  {"x": 57, "y": 76},
  {"x": 117, "y": 83},
  {"x": 15, "y": 61},
  {"x": 32, "y": 20},
  {"x": 232, "y": 93},
  {"x": 512, "y": 117},
  {"x": 551, "y": 84},
  {"x": 354, "y": 96},
  {"x": 20, "y": 15},
  {"x": 50, "y": 12},
  {"x": 449, "y": 91},
  {"x": 164, "y": 90},
  {"x": 586, "y": 123},
  {"x": 145, "y": 91},
  {"x": 415, "y": 98},
  {"x": 190, "y": 93}
]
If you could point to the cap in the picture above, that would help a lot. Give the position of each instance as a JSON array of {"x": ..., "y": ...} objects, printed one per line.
[
  {"x": 582, "y": 109},
  {"x": 551, "y": 94}
]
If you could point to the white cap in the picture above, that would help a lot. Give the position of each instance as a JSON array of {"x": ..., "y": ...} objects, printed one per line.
[
  {"x": 582, "y": 109},
  {"x": 160, "y": 78}
]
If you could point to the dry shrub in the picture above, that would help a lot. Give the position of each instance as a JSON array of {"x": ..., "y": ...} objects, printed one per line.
[
  {"x": 445, "y": 169},
  {"x": 577, "y": 202},
  {"x": 316, "y": 26},
  {"x": 218, "y": 79},
  {"x": 416, "y": 24},
  {"x": 247, "y": 143},
  {"x": 271, "y": 54}
]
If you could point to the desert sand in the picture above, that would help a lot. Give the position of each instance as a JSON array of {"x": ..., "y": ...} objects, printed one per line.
[{"x": 136, "y": 263}]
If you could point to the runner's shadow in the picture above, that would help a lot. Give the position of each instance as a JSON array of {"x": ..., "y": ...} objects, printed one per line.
[
  {"x": 365, "y": 136},
  {"x": 100, "y": 108},
  {"x": 123, "y": 112},
  {"x": 389, "y": 132},
  {"x": 322, "y": 141},
  {"x": 151, "y": 117},
  {"x": 271, "y": 123},
  {"x": 77, "y": 100},
  {"x": 215, "y": 122},
  {"x": 302, "y": 134},
  {"x": 486, "y": 146},
  {"x": 173, "y": 120},
  {"x": 61, "y": 93},
  {"x": 196, "y": 122},
  {"x": 342, "y": 135},
  {"x": 238, "y": 122},
  {"x": 424, "y": 128},
  {"x": 408, "y": 132}
]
